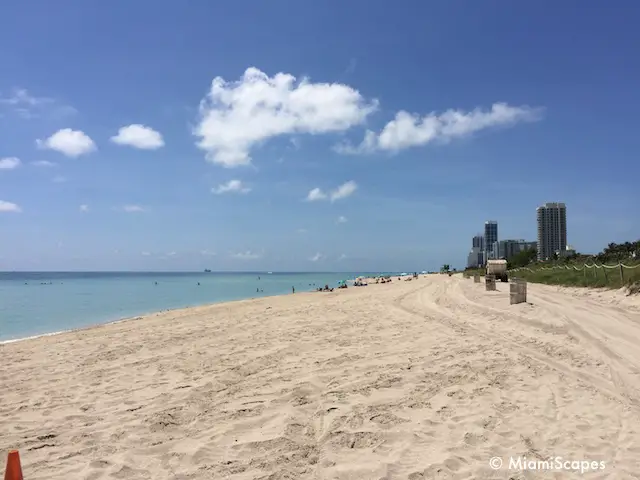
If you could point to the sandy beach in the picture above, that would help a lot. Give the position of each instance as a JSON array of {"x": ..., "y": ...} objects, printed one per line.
[{"x": 424, "y": 379}]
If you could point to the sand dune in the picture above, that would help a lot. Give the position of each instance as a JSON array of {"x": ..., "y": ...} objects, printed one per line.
[{"x": 410, "y": 380}]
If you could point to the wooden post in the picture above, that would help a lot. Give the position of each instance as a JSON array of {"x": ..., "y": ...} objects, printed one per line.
[{"x": 621, "y": 275}]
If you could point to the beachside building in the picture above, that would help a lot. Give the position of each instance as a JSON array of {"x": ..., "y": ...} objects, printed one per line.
[
  {"x": 507, "y": 249},
  {"x": 552, "y": 230},
  {"x": 476, "y": 256},
  {"x": 478, "y": 242},
  {"x": 490, "y": 238}
]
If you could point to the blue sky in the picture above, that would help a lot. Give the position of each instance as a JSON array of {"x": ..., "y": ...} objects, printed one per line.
[{"x": 415, "y": 122}]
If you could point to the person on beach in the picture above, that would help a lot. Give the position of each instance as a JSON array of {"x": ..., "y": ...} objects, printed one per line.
[{"x": 293, "y": 289}]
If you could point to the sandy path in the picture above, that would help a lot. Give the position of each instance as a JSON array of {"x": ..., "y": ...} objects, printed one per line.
[{"x": 412, "y": 380}]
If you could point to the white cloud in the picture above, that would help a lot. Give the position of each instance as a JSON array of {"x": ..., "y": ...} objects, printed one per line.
[
  {"x": 302, "y": 231},
  {"x": 343, "y": 191},
  {"x": 409, "y": 130},
  {"x": 44, "y": 163},
  {"x": 9, "y": 163},
  {"x": 59, "y": 179},
  {"x": 139, "y": 136},
  {"x": 9, "y": 207},
  {"x": 248, "y": 255},
  {"x": 316, "y": 194},
  {"x": 84, "y": 208},
  {"x": 316, "y": 257},
  {"x": 235, "y": 116},
  {"x": 342, "y": 219},
  {"x": 207, "y": 253},
  {"x": 232, "y": 186},
  {"x": 71, "y": 143},
  {"x": 172, "y": 254},
  {"x": 342, "y": 257},
  {"x": 133, "y": 208}
]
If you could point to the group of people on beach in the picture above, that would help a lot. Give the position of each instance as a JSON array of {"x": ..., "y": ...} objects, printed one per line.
[{"x": 327, "y": 289}]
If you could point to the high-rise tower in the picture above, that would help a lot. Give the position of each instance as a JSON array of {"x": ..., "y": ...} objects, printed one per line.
[{"x": 552, "y": 230}]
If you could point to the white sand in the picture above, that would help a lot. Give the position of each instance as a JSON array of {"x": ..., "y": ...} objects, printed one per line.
[{"x": 410, "y": 380}]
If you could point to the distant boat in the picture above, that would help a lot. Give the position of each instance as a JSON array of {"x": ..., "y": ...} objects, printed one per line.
[
  {"x": 206, "y": 270},
  {"x": 269, "y": 273}
]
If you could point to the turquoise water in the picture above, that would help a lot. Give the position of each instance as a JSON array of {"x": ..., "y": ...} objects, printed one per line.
[{"x": 39, "y": 303}]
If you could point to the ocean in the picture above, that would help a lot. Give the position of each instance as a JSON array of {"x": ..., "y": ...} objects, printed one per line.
[{"x": 37, "y": 303}]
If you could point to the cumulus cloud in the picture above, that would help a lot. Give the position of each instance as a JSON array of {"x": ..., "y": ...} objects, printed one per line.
[
  {"x": 342, "y": 219},
  {"x": 342, "y": 257},
  {"x": 59, "y": 179},
  {"x": 9, "y": 207},
  {"x": 318, "y": 256},
  {"x": 44, "y": 163},
  {"x": 343, "y": 191},
  {"x": 133, "y": 208},
  {"x": 410, "y": 130},
  {"x": 139, "y": 136},
  {"x": 145, "y": 254},
  {"x": 232, "y": 186},
  {"x": 248, "y": 255},
  {"x": 9, "y": 163},
  {"x": 207, "y": 253},
  {"x": 71, "y": 143},
  {"x": 84, "y": 208},
  {"x": 235, "y": 116}
]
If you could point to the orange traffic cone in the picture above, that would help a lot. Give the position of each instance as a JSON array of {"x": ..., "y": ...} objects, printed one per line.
[{"x": 14, "y": 470}]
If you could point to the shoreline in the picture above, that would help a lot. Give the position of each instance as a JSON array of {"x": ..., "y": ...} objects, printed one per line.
[
  {"x": 629, "y": 303},
  {"x": 81, "y": 320},
  {"x": 140, "y": 316}
]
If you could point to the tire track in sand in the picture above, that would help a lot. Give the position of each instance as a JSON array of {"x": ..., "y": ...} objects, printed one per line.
[{"x": 445, "y": 317}]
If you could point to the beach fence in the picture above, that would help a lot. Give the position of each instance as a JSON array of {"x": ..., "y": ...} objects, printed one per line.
[
  {"x": 518, "y": 291},
  {"x": 476, "y": 278},
  {"x": 490, "y": 282}
]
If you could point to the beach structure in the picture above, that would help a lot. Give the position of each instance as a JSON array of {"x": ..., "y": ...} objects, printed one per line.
[
  {"x": 518, "y": 291},
  {"x": 490, "y": 282}
]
